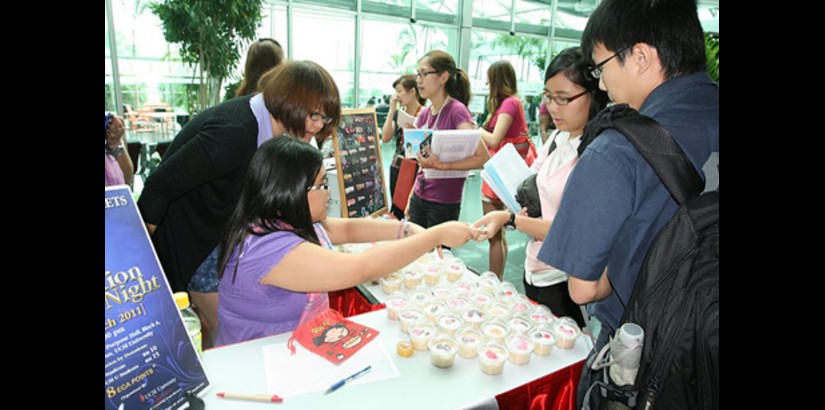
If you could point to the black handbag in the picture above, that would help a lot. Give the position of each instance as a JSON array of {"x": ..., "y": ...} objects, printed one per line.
[{"x": 527, "y": 196}]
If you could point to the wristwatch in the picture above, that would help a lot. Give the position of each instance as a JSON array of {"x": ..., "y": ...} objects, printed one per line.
[
  {"x": 115, "y": 152},
  {"x": 511, "y": 223}
]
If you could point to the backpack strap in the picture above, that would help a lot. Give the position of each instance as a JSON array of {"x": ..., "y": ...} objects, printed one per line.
[{"x": 655, "y": 144}]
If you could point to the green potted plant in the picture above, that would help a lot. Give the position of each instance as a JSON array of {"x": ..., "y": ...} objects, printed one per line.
[{"x": 712, "y": 54}]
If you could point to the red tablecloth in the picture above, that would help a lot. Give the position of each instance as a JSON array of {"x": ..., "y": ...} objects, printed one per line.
[{"x": 554, "y": 391}]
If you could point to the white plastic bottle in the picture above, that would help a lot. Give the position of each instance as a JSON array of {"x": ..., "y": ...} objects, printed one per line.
[{"x": 190, "y": 319}]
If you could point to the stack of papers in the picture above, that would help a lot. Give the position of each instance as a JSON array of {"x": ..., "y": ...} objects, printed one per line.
[{"x": 504, "y": 172}]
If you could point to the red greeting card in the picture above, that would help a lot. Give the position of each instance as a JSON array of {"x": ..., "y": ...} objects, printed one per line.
[{"x": 332, "y": 336}]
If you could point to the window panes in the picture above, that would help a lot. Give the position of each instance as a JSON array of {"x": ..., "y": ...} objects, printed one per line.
[{"x": 311, "y": 40}]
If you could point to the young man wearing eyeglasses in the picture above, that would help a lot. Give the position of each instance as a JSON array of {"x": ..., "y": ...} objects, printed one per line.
[{"x": 650, "y": 55}]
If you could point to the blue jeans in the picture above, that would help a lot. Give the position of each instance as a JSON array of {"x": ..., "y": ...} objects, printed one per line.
[{"x": 205, "y": 279}]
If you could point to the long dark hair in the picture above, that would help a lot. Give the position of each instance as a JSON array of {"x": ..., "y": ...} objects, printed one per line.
[
  {"x": 458, "y": 85},
  {"x": 261, "y": 57},
  {"x": 274, "y": 195},
  {"x": 571, "y": 61}
]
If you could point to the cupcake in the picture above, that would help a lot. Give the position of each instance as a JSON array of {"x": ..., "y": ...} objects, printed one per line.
[
  {"x": 541, "y": 314},
  {"x": 505, "y": 290},
  {"x": 432, "y": 273},
  {"x": 520, "y": 304},
  {"x": 458, "y": 303},
  {"x": 442, "y": 292},
  {"x": 543, "y": 338},
  {"x": 420, "y": 334},
  {"x": 392, "y": 283},
  {"x": 473, "y": 316},
  {"x": 469, "y": 339},
  {"x": 519, "y": 323},
  {"x": 481, "y": 299},
  {"x": 520, "y": 347},
  {"x": 443, "y": 349},
  {"x": 495, "y": 330},
  {"x": 419, "y": 297},
  {"x": 465, "y": 288},
  {"x": 448, "y": 323},
  {"x": 409, "y": 316},
  {"x": 433, "y": 309},
  {"x": 491, "y": 357},
  {"x": 488, "y": 282},
  {"x": 498, "y": 310},
  {"x": 394, "y": 304},
  {"x": 412, "y": 278},
  {"x": 455, "y": 270},
  {"x": 567, "y": 331}
]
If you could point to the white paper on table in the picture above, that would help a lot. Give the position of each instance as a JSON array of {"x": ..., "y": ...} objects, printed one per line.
[
  {"x": 290, "y": 375},
  {"x": 451, "y": 146}
]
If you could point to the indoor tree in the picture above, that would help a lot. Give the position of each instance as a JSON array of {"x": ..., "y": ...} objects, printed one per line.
[{"x": 209, "y": 34}]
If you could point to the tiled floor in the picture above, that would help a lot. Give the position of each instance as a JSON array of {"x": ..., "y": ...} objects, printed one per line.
[{"x": 475, "y": 254}]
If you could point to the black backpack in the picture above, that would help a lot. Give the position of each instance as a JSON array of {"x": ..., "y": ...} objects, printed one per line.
[{"x": 676, "y": 295}]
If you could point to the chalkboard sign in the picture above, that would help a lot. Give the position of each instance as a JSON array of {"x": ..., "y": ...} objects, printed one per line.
[{"x": 359, "y": 164}]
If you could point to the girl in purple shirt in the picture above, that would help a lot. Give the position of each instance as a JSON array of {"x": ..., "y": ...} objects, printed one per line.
[
  {"x": 448, "y": 88},
  {"x": 274, "y": 274}
]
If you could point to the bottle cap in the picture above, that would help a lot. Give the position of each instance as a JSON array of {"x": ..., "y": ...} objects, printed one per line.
[{"x": 182, "y": 299}]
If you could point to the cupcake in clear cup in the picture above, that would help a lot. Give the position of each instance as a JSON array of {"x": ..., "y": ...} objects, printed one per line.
[
  {"x": 394, "y": 304},
  {"x": 442, "y": 292},
  {"x": 428, "y": 257},
  {"x": 433, "y": 309},
  {"x": 409, "y": 316},
  {"x": 567, "y": 331},
  {"x": 392, "y": 283},
  {"x": 455, "y": 269},
  {"x": 412, "y": 277},
  {"x": 420, "y": 334},
  {"x": 491, "y": 357},
  {"x": 443, "y": 349},
  {"x": 458, "y": 303},
  {"x": 469, "y": 339},
  {"x": 498, "y": 309},
  {"x": 474, "y": 316},
  {"x": 419, "y": 297},
  {"x": 481, "y": 299},
  {"x": 495, "y": 330},
  {"x": 541, "y": 314},
  {"x": 505, "y": 290},
  {"x": 519, "y": 323},
  {"x": 432, "y": 273},
  {"x": 520, "y": 304},
  {"x": 488, "y": 282},
  {"x": 520, "y": 347},
  {"x": 543, "y": 338},
  {"x": 465, "y": 287},
  {"x": 448, "y": 323}
]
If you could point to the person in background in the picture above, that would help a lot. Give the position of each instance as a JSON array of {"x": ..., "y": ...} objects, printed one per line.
[
  {"x": 262, "y": 56},
  {"x": 118, "y": 164},
  {"x": 406, "y": 94},
  {"x": 434, "y": 201},
  {"x": 507, "y": 125},
  {"x": 650, "y": 55},
  {"x": 574, "y": 98},
  {"x": 188, "y": 199},
  {"x": 545, "y": 122},
  {"x": 277, "y": 251}
]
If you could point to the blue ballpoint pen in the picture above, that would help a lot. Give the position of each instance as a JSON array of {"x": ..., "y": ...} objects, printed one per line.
[{"x": 340, "y": 383}]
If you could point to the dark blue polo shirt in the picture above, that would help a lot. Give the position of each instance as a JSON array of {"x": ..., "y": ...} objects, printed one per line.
[{"x": 614, "y": 204}]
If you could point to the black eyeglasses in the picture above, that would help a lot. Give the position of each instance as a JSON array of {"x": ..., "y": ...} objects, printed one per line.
[
  {"x": 317, "y": 116},
  {"x": 560, "y": 99},
  {"x": 596, "y": 71},
  {"x": 422, "y": 74},
  {"x": 324, "y": 185}
]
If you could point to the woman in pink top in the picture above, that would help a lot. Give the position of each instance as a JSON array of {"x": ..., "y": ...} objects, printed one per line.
[
  {"x": 506, "y": 125},
  {"x": 572, "y": 99}
]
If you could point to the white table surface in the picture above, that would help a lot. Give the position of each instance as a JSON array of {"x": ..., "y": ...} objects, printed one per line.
[{"x": 239, "y": 368}]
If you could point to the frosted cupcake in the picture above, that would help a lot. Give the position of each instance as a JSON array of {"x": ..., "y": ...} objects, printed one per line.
[
  {"x": 488, "y": 282},
  {"x": 505, "y": 290},
  {"x": 541, "y": 314},
  {"x": 474, "y": 316},
  {"x": 409, "y": 316},
  {"x": 495, "y": 330},
  {"x": 567, "y": 331},
  {"x": 419, "y": 297},
  {"x": 448, "y": 323},
  {"x": 491, "y": 357},
  {"x": 420, "y": 334},
  {"x": 543, "y": 338},
  {"x": 433, "y": 309},
  {"x": 457, "y": 304},
  {"x": 412, "y": 278},
  {"x": 442, "y": 292},
  {"x": 520, "y": 347},
  {"x": 465, "y": 288},
  {"x": 481, "y": 299},
  {"x": 443, "y": 349},
  {"x": 520, "y": 304},
  {"x": 394, "y": 304},
  {"x": 519, "y": 323},
  {"x": 455, "y": 270},
  {"x": 498, "y": 310},
  {"x": 469, "y": 339},
  {"x": 432, "y": 273},
  {"x": 392, "y": 283}
]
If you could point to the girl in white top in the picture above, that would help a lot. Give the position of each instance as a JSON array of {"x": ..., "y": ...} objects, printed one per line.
[{"x": 572, "y": 98}]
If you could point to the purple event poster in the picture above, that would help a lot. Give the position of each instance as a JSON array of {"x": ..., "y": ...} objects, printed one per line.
[{"x": 150, "y": 359}]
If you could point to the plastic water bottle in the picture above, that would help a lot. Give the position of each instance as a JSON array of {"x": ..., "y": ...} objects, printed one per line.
[
  {"x": 627, "y": 347},
  {"x": 190, "y": 319}
]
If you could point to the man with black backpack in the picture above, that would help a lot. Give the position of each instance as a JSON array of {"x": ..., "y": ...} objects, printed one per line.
[{"x": 650, "y": 55}]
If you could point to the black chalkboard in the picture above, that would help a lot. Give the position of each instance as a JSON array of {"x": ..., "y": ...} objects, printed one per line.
[{"x": 359, "y": 164}]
